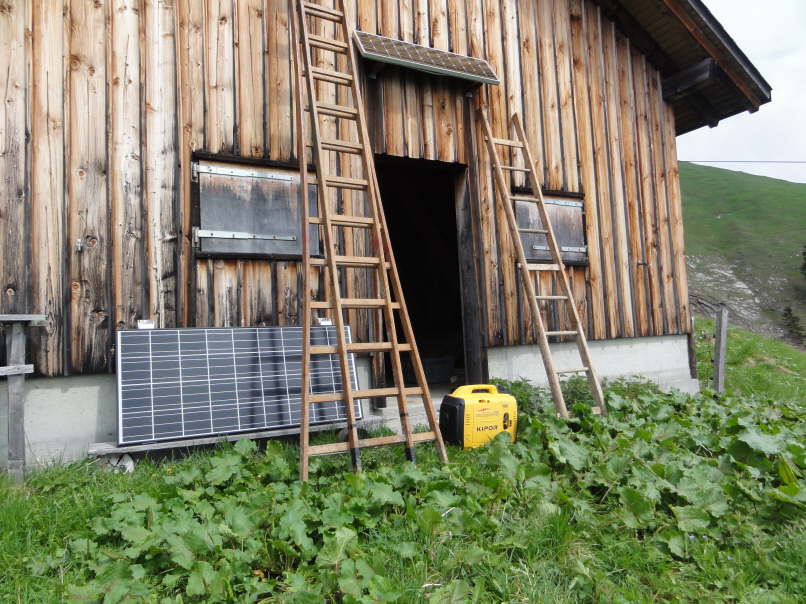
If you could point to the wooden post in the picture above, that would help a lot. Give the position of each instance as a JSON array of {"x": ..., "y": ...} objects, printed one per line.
[
  {"x": 692, "y": 350},
  {"x": 720, "y": 348},
  {"x": 15, "y": 353}
]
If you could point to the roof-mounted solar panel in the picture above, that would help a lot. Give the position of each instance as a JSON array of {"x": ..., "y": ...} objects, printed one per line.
[{"x": 422, "y": 58}]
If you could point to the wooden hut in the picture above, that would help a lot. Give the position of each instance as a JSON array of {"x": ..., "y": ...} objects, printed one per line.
[{"x": 112, "y": 109}]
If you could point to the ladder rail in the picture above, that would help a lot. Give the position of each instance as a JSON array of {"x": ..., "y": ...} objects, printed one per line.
[
  {"x": 526, "y": 277},
  {"x": 321, "y": 190},
  {"x": 581, "y": 340},
  {"x": 304, "y": 431},
  {"x": 382, "y": 260}
]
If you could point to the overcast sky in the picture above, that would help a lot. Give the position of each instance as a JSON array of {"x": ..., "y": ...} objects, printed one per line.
[{"x": 772, "y": 34}]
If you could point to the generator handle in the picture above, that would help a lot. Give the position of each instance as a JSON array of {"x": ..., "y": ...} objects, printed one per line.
[{"x": 475, "y": 388}]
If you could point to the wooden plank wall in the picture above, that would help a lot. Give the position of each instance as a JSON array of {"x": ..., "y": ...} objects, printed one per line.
[{"x": 105, "y": 101}]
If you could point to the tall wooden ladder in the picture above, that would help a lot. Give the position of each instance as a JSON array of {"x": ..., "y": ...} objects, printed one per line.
[
  {"x": 495, "y": 146},
  {"x": 345, "y": 178}
]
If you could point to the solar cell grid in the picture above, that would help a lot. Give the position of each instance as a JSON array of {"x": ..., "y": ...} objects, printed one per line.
[
  {"x": 176, "y": 383},
  {"x": 390, "y": 50}
]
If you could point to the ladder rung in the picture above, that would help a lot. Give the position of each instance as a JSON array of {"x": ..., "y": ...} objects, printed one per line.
[
  {"x": 323, "y": 12},
  {"x": 562, "y": 333},
  {"x": 355, "y": 303},
  {"x": 551, "y": 297},
  {"x": 507, "y": 143},
  {"x": 353, "y": 261},
  {"x": 344, "y": 220},
  {"x": 342, "y": 146},
  {"x": 514, "y": 169},
  {"x": 542, "y": 267},
  {"x": 361, "y": 347},
  {"x": 327, "y": 43},
  {"x": 524, "y": 198},
  {"x": 337, "y": 110},
  {"x": 580, "y": 370},
  {"x": 368, "y": 393},
  {"x": 342, "y": 182},
  {"x": 379, "y": 441},
  {"x": 334, "y": 77},
  {"x": 534, "y": 231}
]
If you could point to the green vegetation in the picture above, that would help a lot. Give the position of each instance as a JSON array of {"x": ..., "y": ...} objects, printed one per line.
[
  {"x": 756, "y": 366},
  {"x": 755, "y": 226},
  {"x": 670, "y": 497}
]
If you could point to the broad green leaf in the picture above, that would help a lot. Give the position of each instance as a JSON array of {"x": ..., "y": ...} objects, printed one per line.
[
  {"x": 691, "y": 519},
  {"x": 135, "y": 534},
  {"x": 223, "y": 468},
  {"x": 455, "y": 592},
  {"x": 567, "y": 451},
  {"x": 638, "y": 509},
  {"x": 765, "y": 443},
  {"x": 385, "y": 494},
  {"x": 407, "y": 549},
  {"x": 245, "y": 446}
]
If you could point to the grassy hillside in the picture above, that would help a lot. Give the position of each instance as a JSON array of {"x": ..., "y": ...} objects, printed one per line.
[{"x": 744, "y": 237}]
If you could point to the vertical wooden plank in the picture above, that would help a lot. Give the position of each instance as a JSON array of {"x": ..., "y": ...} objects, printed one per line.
[
  {"x": 160, "y": 157},
  {"x": 15, "y": 216},
  {"x": 582, "y": 99},
  {"x": 203, "y": 316},
  {"x": 621, "y": 245},
  {"x": 552, "y": 147},
  {"x": 499, "y": 124},
  {"x": 647, "y": 196},
  {"x": 491, "y": 302},
  {"x": 598, "y": 102},
  {"x": 257, "y": 294},
  {"x": 125, "y": 185},
  {"x": 444, "y": 109},
  {"x": 286, "y": 300},
  {"x": 675, "y": 201},
  {"x": 47, "y": 182},
  {"x": 411, "y": 103},
  {"x": 393, "y": 90},
  {"x": 530, "y": 85},
  {"x": 219, "y": 72},
  {"x": 422, "y": 36},
  {"x": 562, "y": 50},
  {"x": 250, "y": 77},
  {"x": 632, "y": 192},
  {"x": 87, "y": 205},
  {"x": 660, "y": 204},
  {"x": 226, "y": 299},
  {"x": 278, "y": 90}
]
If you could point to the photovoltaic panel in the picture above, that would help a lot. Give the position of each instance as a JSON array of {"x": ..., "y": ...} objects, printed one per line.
[
  {"x": 194, "y": 382},
  {"x": 423, "y": 58}
]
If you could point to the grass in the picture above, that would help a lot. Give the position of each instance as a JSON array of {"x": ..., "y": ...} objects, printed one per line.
[
  {"x": 616, "y": 509},
  {"x": 755, "y": 365}
]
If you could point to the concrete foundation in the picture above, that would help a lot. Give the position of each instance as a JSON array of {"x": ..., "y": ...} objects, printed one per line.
[
  {"x": 661, "y": 359},
  {"x": 65, "y": 415}
]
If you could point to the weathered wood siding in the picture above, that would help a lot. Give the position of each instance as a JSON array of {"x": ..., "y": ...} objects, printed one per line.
[{"x": 105, "y": 101}]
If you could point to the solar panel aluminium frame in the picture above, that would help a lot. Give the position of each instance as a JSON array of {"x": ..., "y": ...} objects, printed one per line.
[
  {"x": 426, "y": 67},
  {"x": 328, "y": 412}
]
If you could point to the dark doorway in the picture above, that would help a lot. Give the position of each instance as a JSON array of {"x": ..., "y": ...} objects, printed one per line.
[{"x": 419, "y": 200}]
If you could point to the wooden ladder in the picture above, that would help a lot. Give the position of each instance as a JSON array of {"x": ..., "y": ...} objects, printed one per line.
[
  {"x": 350, "y": 151},
  {"x": 528, "y": 270}
]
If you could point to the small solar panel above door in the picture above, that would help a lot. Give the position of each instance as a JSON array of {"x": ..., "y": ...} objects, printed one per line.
[
  {"x": 183, "y": 383},
  {"x": 423, "y": 58}
]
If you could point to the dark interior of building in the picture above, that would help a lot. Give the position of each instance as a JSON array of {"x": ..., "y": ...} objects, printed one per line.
[{"x": 419, "y": 199}]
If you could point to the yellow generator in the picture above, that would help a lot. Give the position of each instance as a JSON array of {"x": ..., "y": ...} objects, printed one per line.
[{"x": 472, "y": 415}]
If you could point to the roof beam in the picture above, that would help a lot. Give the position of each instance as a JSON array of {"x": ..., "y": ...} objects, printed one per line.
[
  {"x": 685, "y": 80},
  {"x": 640, "y": 38},
  {"x": 710, "y": 48}
]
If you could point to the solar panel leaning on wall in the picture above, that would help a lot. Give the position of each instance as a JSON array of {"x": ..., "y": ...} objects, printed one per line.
[{"x": 193, "y": 382}]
